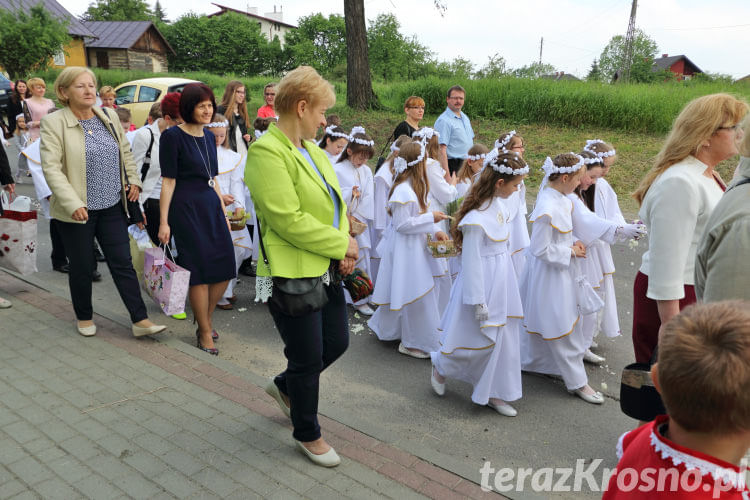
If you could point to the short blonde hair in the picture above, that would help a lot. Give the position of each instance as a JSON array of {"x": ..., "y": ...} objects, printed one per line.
[
  {"x": 744, "y": 146},
  {"x": 106, "y": 90},
  {"x": 703, "y": 373},
  {"x": 66, "y": 78},
  {"x": 33, "y": 82},
  {"x": 303, "y": 84}
]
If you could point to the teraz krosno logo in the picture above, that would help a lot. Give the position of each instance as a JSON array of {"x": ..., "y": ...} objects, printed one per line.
[{"x": 589, "y": 477}]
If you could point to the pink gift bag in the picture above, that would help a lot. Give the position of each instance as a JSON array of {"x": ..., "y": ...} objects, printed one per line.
[{"x": 165, "y": 282}]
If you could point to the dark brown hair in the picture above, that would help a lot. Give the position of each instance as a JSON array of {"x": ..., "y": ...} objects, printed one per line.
[
  {"x": 465, "y": 171},
  {"x": 192, "y": 95},
  {"x": 357, "y": 147},
  {"x": 589, "y": 195},
  {"x": 564, "y": 160}
]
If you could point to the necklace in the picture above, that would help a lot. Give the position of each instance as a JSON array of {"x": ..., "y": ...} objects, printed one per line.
[{"x": 211, "y": 181}]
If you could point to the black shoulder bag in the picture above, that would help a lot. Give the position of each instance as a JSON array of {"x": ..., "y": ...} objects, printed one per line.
[
  {"x": 147, "y": 159},
  {"x": 381, "y": 158},
  {"x": 133, "y": 208},
  {"x": 294, "y": 297}
]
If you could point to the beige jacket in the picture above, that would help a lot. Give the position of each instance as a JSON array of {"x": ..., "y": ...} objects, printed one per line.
[{"x": 63, "y": 152}]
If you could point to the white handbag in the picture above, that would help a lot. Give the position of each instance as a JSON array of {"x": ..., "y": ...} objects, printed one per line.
[
  {"x": 18, "y": 231},
  {"x": 589, "y": 301}
]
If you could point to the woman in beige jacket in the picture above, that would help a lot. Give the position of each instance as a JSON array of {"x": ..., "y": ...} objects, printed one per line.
[{"x": 83, "y": 156}]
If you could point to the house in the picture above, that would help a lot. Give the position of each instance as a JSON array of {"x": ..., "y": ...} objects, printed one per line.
[
  {"x": 679, "y": 65},
  {"x": 271, "y": 24},
  {"x": 744, "y": 79},
  {"x": 73, "y": 54},
  {"x": 561, "y": 75},
  {"x": 137, "y": 45}
]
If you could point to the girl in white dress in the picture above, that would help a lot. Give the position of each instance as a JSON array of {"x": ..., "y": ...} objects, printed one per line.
[
  {"x": 231, "y": 180},
  {"x": 480, "y": 329},
  {"x": 519, "y": 233},
  {"x": 469, "y": 168},
  {"x": 442, "y": 190},
  {"x": 383, "y": 183},
  {"x": 333, "y": 142},
  {"x": 405, "y": 289},
  {"x": 358, "y": 190}
]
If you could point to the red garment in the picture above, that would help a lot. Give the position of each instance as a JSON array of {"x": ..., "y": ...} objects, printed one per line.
[
  {"x": 646, "y": 320},
  {"x": 266, "y": 112},
  {"x": 648, "y": 459}
]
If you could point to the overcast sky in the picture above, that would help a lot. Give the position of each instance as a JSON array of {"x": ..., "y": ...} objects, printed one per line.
[{"x": 714, "y": 35}]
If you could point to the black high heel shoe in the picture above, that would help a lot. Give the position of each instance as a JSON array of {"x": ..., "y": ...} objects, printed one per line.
[
  {"x": 211, "y": 350},
  {"x": 214, "y": 333}
]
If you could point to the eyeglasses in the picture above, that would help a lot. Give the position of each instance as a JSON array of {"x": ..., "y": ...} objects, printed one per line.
[
  {"x": 735, "y": 128},
  {"x": 415, "y": 107},
  {"x": 267, "y": 94}
]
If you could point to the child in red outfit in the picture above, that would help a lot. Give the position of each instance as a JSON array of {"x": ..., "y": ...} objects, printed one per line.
[{"x": 703, "y": 375}]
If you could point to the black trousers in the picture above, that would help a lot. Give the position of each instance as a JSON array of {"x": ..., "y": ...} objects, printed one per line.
[
  {"x": 454, "y": 164},
  {"x": 153, "y": 218},
  {"x": 311, "y": 344},
  {"x": 109, "y": 226},
  {"x": 58, "y": 256}
]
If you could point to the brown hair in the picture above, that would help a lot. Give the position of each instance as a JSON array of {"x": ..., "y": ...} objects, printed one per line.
[
  {"x": 123, "y": 114},
  {"x": 588, "y": 196},
  {"x": 323, "y": 143},
  {"x": 456, "y": 88},
  {"x": 565, "y": 160},
  {"x": 399, "y": 142},
  {"x": 417, "y": 173},
  {"x": 227, "y": 102},
  {"x": 465, "y": 171},
  {"x": 302, "y": 84},
  {"x": 600, "y": 147},
  {"x": 413, "y": 101},
  {"x": 261, "y": 124},
  {"x": 357, "y": 147},
  {"x": 433, "y": 147},
  {"x": 155, "y": 111},
  {"x": 482, "y": 191},
  {"x": 513, "y": 139},
  {"x": 333, "y": 119},
  {"x": 703, "y": 373},
  {"x": 697, "y": 122}
]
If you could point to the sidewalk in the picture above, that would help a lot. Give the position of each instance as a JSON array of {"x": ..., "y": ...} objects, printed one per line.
[{"x": 116, "y": 417}]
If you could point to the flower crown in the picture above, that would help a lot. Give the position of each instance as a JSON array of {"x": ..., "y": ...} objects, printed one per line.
[
  {"x": 394, "y": 148},
  {"x": 550, "y": 168},
  {"x": 400, "y": 164},
  {"x": 223, "y": 124},
  {"x": 359, "y": 140},
  {"x": 476, "y": 157},
  {"x": 330, "y": 130},
  {"x": 591, "y": 161},
  {"x": 503, "y": 168},
  {"x": 603, "y": 154},
  {"x": 501, "y": 144},
  {"x": 426, "y": 133}
]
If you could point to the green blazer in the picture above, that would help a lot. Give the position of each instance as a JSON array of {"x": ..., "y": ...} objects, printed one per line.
[{"x": 294, "y": 207}]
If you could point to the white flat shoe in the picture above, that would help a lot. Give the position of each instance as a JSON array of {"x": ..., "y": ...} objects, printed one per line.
[
  {"x": 592, "y": 358},
  {"x": 438, "y": 387},
  {"x": 503, "y": 409},
  {"x": 419, "y": 355},
  {"x": 365, "y": 309},
  {"x": 86, "y": 331},
  {"x": 594, "y": 345},
  {"x": 140, "y": 331},
  {"x": 595, "y": 399},
  {"x": 327, "y": 459},
  {"x": 4, "y": 303},
  {"x": 273, "y": 391}
]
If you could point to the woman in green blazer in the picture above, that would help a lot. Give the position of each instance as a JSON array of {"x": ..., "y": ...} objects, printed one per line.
[{"x": 305, "y": 234}]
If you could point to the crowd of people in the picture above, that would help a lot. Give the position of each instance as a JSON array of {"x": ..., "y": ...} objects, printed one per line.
[{"x": 439, "y": 228}]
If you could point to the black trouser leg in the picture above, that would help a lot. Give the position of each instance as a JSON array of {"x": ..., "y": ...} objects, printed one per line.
[
  {"x": 454, "y": 165},
  {"x": 311, "y": 344},
  {"x": 58, "y": 256},
  {"x": 153, "y": 217},
  {"x": 78, "y": 240}
]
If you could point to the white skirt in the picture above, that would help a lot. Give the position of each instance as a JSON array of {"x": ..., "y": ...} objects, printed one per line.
[{"x": 415, "y": 324}]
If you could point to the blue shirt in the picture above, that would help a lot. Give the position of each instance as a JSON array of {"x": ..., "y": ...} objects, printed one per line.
[
  {"x": 336, "y": 205},
  {"x": 455, "y": 132}
]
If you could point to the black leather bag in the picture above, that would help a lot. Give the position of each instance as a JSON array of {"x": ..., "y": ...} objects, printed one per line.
[{"x": 295, "y": 297}]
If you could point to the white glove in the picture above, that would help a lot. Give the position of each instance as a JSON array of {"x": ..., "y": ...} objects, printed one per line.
[
  {"x": 481, "y": 313},
  {"x": 631, "y": 231}
]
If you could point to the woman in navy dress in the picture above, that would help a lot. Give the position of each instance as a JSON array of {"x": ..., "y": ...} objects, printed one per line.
[{"x": 192, "y": 209}]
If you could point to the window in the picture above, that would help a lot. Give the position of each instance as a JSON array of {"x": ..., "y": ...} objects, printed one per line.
[
  {"x": 148, "y": 94},
  {"x": 125, "y": 95}
]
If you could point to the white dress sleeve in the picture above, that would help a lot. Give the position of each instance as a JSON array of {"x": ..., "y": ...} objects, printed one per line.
[
  {"x": 407, "y": 220},
  {"x": 471, "y": 265},
  {"x": 380, "y": 202},
  {"x": 542, "y": 244},
  {"x": 237, "y": 185},
  {"x": 588, "y": 227},
  {"x": 443, "y": 192}
]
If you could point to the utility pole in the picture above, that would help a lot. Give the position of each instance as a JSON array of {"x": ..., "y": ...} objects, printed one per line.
[
  {"x": 629, "y": 40},
  {"x": 541, "y": 45}
]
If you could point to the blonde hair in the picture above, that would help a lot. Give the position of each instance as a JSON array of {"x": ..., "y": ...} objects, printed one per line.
[
  {"x": 744, "y": 146},
  {"x": 218, "y": 117},
  {"x": 303, "y": 84},
  {"x": 697, "y": 122},
  {"x": 106, "y": 90},
  {"x": 33, "y": 82},
  {"x": 66, "y": 78},
  {"x": 465, "y": 171},
  {"x": 703, "y": 373}
]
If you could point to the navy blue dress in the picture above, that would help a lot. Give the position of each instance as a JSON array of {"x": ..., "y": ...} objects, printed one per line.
[{"x": 199, "y": 227}]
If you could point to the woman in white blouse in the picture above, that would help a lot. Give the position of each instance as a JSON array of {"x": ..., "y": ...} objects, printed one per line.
[{"x": 677, "y": 197}]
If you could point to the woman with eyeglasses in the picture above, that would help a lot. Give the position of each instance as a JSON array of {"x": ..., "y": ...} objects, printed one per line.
[
  {"x": 677, "y": 197},
  {"x": 414, "y": 109},
  {"x": 234, "y": 107},
  {"x": 269, "y": 95}
]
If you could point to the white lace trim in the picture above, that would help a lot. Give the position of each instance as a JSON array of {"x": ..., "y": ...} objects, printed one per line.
[
  {"x": 694, "y": 463},
  {"x": 264, "y": 286}
]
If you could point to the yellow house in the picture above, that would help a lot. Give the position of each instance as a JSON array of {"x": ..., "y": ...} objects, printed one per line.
[{"x": 74, "y": 54}]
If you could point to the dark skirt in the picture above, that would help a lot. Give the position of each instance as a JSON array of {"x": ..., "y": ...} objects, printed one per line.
[
  {"x": 204, "y": 244},
  {"x": 646, "y": 322}
]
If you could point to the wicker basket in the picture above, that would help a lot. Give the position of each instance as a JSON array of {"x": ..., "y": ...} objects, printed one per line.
[
  {"x": 237, "y": 224},
  {"x": 441, "y": 249},
  {"x": 356, "y": 228}
]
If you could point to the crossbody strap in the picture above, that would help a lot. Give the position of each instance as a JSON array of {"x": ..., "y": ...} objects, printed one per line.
[
  {"x": 746, "y": 180},
  {"x": 147, "y": 159}
]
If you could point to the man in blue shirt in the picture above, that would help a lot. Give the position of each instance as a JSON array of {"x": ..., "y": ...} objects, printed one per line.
[{"x": 454, "y": 127}]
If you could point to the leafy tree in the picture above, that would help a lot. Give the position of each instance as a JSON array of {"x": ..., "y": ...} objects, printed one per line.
[
  {"x": 29, "y": 39},
  {"x": 160, "y": 16},
  {"x": 534, "y": 70},
  {"x": 495, "y": 67},
  {"x": 595, "y": 74},
  {"x": 276, "y": 59},
  {"x": 388, "y": 48},
  {"x": 613, "y": 55},
  {"x": 118, "y": 10},
  {"x": 319, "y": 42},
  {"x": 461, "y": 67}
]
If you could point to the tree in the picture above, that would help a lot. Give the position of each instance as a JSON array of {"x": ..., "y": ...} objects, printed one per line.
[
  {"x": 534, "y": 70},
  {"x": 359, "y": 93},
  {"x": 495, "y": 67},
  {"x": 319, "y": 42},
  {"x": 613, "y": 55},
  {"x": 118, "y": 10},
  {"x": 29, "y": 40},
  {"x": 595, "y": 74},
  {"x": 160, "y": 16}
]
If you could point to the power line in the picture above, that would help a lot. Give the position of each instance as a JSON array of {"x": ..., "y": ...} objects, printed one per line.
[{"x": 703, "y": 28}]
